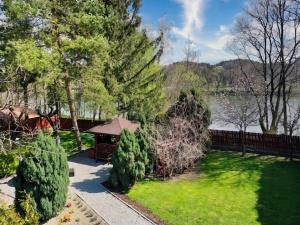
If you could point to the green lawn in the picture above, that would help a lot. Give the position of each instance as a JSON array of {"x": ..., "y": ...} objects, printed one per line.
[
  {"x": 69, "y": 143},
  {"x": 231, "y": 190}
]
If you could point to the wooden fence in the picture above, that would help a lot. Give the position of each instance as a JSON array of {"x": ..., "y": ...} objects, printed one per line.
[
  {"x": 280, "y": 145},
  {"x": 83, "y": 124},
  {"x": 271, "y": 144}
]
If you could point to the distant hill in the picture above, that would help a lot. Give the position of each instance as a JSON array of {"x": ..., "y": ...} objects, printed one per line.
[{"x": 218, "y": 77}]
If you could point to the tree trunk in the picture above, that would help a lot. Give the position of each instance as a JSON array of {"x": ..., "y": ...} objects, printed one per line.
[
  {"x": 26, "y": 101},
  {"x": 72, "y": 112},
  {"x": 242, "y": 141},
  {"x": 94, "y": 114},
  {"x": 99, "y": 113},
  {"x": 284, "y": 101},
  {"x": 36, "y": 96}
]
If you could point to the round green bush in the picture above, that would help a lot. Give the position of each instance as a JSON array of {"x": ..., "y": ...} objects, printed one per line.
[
  {"x": 128, "y": 162},
  {"x": 44, "y": 176}
]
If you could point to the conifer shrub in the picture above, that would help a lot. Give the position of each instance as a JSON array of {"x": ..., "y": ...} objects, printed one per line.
[
  {"x": 145, "y": 147},
  {"x": 128, "y": 162},
  {"x": 44, "y": 176}
]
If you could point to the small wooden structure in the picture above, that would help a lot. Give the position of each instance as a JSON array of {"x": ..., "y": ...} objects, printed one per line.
[
  {"x": 13, "y": 119},
  {"x": 107, "y": 136}
]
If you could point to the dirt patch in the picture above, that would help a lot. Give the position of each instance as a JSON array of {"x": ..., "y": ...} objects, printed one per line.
[{"x": 76, "y": 212}]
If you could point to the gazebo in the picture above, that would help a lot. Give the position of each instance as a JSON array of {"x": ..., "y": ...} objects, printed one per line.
[{"x": 107, "y": 136}]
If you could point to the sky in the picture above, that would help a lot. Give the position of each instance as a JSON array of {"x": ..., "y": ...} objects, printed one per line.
[{"x": 207, "y": 23}]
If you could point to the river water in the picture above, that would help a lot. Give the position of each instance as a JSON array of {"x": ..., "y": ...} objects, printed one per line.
[{"x": 217, "y": 108}]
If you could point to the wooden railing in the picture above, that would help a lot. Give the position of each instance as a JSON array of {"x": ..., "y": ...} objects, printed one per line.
[
  {"x": 272, "y": 144},
  {"x": 104, "y": 151}
]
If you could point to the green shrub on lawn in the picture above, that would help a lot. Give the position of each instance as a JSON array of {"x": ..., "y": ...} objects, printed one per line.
[
  {"x": 128, "y": 162},
  {"x": 44, "y": 176},
  {"x": 8, "y": 164}
]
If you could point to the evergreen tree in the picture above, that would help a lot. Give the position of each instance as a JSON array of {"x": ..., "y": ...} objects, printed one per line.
[
  {"x": 72, "y": 32},
  {"x": 145, "y": 147},
  {"x": 98, "y": 51},
  {"x": 24, "y": 64},
  {"x": 44, "y": 176},
  {"x": 133, "y": 70},
  {"x": 128, "y": 162},
  {"x": 192, "y": 107},
  {"x": 23, "y": 61}
]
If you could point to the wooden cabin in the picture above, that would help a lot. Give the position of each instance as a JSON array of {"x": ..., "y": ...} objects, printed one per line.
[
  {"x": 107, "y": 136},
  {"x": 13, "y": 118}
]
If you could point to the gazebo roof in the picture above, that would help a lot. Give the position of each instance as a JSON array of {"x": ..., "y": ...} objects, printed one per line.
[{"x": 115, "y": 127}]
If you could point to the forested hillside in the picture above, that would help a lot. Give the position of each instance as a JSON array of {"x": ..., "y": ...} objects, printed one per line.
[{"x": 213, "y": 78}]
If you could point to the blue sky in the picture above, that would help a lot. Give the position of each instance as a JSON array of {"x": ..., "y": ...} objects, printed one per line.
[{"x": 206, "y": 22}]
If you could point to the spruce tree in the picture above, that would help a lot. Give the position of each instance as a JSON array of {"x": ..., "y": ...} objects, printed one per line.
[
  {"x": 128, "y": 162},
  {"x": 133, "y": 70}
]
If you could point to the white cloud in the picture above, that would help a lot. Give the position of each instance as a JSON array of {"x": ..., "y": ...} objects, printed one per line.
[
  {"x": 220, "y": 40},
  {"x": 212, "y": 46},
  {"x": 192, "y": 18},
  {"x": 223, "y": 29}
]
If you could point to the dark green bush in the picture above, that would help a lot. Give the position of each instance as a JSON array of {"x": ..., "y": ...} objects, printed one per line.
[
  {"x": 8, "y": 164},
  {"x": 145, "y": 147},
  {"x": 191, "y": 105},
  {"x": 44, "y": 176},
  {"x": 128, "y": 162}
]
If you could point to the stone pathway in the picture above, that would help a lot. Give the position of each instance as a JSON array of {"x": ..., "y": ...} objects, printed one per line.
[
  {"x": 7, "y": 190},
  {"x": 87, "y": 184}
]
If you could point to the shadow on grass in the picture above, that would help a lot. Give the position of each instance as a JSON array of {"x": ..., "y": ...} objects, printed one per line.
[
  {"x": 234, "y": 169},
  {"x": 279, "y": 194},
  {"x": 278, "y": 181}
]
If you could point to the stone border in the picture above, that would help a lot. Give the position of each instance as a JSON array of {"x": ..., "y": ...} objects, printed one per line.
[
  {"x": 129, "y": 206},
  {"x": 73, "y": 192}
]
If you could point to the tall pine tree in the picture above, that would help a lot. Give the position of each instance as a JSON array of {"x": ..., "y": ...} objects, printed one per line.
[{"x": 134, "y": 59}]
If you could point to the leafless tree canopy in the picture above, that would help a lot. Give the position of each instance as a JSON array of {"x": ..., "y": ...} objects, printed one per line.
[
  {"x": 268, "y": 35},
  {"x": 179, "y": 138},
  {"x": 238, "y": 108}
]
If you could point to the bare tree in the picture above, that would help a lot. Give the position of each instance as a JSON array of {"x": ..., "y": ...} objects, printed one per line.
[
  {"x": 293, "y": 119},
  {"x": 191, "y": 53},
  {"x": 268, "y": 36},
  {"x": 237, "y": 110}
]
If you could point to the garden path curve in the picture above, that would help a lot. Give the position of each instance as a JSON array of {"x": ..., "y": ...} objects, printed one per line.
[{"x": 87, "y": 184}]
